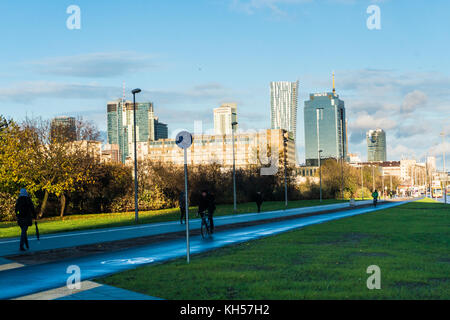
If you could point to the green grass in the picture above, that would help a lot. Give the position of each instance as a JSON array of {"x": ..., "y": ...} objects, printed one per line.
[
  {"x": 409, "y": 243},
  {"x": 97, "y": 221}
]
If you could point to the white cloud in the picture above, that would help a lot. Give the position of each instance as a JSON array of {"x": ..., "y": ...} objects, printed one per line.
[
  {"x": 413, "y": 100},
  {"x": 95, "y": 65}
]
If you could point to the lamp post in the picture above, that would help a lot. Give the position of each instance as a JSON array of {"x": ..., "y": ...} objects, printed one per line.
[
  {"x": 285, "y": 145},
  {"x": 445, "y": 173},
  {"x": 319, "y": 116},
  {"x": 136, "y": 203},
  {"x": 233, "y": 124},
  {"x": 320, "y": 173},
  {"x": 362, "y": 181}
]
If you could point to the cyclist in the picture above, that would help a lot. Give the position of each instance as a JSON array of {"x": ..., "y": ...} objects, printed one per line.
[
  {"x": 375, "y": 197},
  {"x": 207, "y": 204}
]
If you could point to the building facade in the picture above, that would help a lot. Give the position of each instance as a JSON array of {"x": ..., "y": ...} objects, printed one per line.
[
  {"x": 284, "y": 104},
  {"x": 64, "y": 126},
  {"x": 325, "y": 113},
  {"x": 224, "y": 116},
  {"x": 376, "y": 145},
  {"x": 121, "y": 126},
  {"x": 252, "y": 148}
]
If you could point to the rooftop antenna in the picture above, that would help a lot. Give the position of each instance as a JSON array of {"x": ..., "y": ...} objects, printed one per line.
[{"x": 334, "y": 86}]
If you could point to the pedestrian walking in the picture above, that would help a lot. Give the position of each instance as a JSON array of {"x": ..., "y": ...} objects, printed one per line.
[
  {"x": 25, "y": 214},
  {"x": 259, "y": 200}
]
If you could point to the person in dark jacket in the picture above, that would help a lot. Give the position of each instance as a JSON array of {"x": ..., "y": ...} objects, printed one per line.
[
  {"x": 182, "y": 205},
  {"x": 25, "y": 213},
  {"x": 207, "y": 204},
  {"x": 259, "y": 200}
]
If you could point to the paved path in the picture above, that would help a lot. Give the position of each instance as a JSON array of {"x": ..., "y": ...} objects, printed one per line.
[
  {"x": 32, "y": 279},
  {"x": 10, "y": 246}
]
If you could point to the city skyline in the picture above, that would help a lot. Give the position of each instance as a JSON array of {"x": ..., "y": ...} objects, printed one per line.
[{"x": 405, "y": 91}]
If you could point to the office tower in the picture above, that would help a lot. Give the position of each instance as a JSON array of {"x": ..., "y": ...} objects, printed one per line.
[
  {"x": 121, "y": 125},
  {"x": 325, "y": 113},
  {"x": 376, "y": 145},
  {"x": 284, "y": 102},
  {"x": 63, "y": 128},
  {"x": 161, "y": 130},
  {"x": 224, "y": 116}
]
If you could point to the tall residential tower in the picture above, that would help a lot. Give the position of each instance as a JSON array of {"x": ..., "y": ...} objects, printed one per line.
[
  {"x": 224, "y": 116},
  {"x": 284, "y": 103}
]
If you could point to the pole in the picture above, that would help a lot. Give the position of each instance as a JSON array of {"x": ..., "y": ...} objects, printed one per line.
[
  {"x": 136, "y": 203},
  {"x": 318, "y": 111},
  {"x": 362, "y": 182},
  {"x": 188, "y": 250},
  {"x": 234, "y": 173},
  {"x": 445, "y": 173},
  {"x": 285, "y": 176},
  {"x": 382, "y": 185},
  {"x": 343, "y": 155},
  {"x": 320, "y": 173},
  {"x": 373, "y": 178}
]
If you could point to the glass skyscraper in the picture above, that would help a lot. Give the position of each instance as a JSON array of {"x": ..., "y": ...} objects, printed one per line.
[
  {"x": 121, "y": 125},
  {"x": 376, "y": 145},
  {"x": 326, "y": 112},
  {"x": 284, "y": 103}
]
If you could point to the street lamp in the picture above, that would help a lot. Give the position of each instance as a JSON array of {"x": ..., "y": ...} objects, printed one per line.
[
  {"x": 319, "y": 116},
  {"x": 285, "y": 145},
  {"x": 362, "y": 181},
  {"x": 320, "y": 173},
  {"x": 445, "y": 173},
  {"x": 136, "y": 203},
  {"x": 233, "y": 124}
]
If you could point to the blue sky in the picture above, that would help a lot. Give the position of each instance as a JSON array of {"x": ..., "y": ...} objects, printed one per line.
[{"x": 190, "y": 56}]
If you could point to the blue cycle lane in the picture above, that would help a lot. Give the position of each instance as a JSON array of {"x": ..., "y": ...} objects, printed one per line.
[
  {"x": 32, "y": 279},
  {"x": 10, "y": 246}
]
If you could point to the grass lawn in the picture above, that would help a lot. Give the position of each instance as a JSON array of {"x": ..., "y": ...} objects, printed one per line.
[
  {"x": 96, "y": 221},
  {"x": 409, "y": 243}
]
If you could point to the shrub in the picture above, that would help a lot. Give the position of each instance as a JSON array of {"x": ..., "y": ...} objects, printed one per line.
[{"x": 7, "y": 204}]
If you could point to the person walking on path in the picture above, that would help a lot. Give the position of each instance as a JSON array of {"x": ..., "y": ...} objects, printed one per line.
[
  {"x": 25, "y": 214},
  {"x": 375, "y": 196},
  {"x": 259, "y": 200},
  {"x": 182, "y": 205}
]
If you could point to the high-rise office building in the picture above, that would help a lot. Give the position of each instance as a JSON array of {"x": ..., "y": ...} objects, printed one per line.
[
  {"x": 64, "y": 128},
  {"x": 224, "y": 116},
  {"x": 121, "y": 125},
  {"x": 325, "y": 114},
  {"x": 284, "y": 103},
  {"x": 376, "y": 145},
  {"x": 161, "y": 130}
]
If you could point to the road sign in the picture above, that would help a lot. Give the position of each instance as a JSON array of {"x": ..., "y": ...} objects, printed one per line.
[{"x": 184, "y": 140}]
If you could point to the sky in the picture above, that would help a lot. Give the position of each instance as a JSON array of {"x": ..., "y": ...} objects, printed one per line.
[{"x": 188, "y": 57}]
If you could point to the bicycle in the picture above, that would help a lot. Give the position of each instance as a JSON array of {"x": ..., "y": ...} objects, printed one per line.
[{"x": 206, "y": 225}]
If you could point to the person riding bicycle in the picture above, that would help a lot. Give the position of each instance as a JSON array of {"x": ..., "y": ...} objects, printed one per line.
[
  {"x": 375, "y": 196},
  {"x": 207, "y": 204}
]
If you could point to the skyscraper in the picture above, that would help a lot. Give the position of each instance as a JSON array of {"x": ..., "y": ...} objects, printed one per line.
[
  {"x": 325, "y": 113},
  {"x": 376, "y": 145},
  {"x": 224, "y": 116},
  {"x": 121, "y": 125},
  {"x": 284, "y": 102},
  {"x": 64, "y": 128}
]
